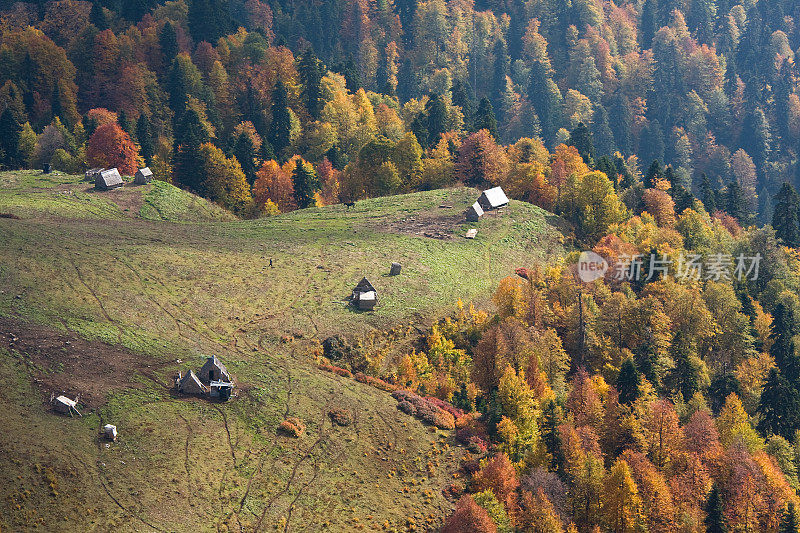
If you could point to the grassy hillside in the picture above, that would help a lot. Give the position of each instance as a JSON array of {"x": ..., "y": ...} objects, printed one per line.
[
  {"x": 104, "y": 303},
  {"x": 30, "y": 194}
]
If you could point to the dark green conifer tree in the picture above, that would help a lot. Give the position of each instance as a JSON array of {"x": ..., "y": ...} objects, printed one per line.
[
  {"x": 144, "y": 136},
  {"x": 735, "y": 203},
  {"x": 245, "y": 153},
  {"x": 786, "y": 218},
  {"x": 168, "y": 40},
  {"x": 10, "y": 130},
  {"x": 628, "y": 382},
  {"x": 189, "y": 135},
  {"x": 484, "y": 117},
  {"x": 790, "y": 523},
  {"x": 311, "y": 71},
  {"x": 715, "y": 519},
  {"x": 581, "y": 139},
  {"x": 707, "y": 194},
  {"x": 779, "y": 407},
  {"x": 436, "y": 111},
  {"x": 281, "y": 126},
  {"x": 306, "y": 184}
]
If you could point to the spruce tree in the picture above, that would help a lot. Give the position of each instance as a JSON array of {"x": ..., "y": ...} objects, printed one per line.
[
  {"x": 484, "y": 117},
  {"x": 189, "y": 135},
  {"x": 622, "y": 120},
  {"x": 437, "y": 118},
  {"x": 628, "y": 382},
  {"x": 168, "y": 40},
  {"x": 735, "y": 203},
  {"x": 281, "y": 126},
  {"x": 10, "y": 130},
  {"x": 707, "y": 194},
  {"x": 552, "y": 418},
  {"x": 783, "y": 346},
  {"x": 244, "y": 151},
  {"x": 306, "y": 184},
  {"x": 654, "y": 173},
  {"x": 715, "y": 519},
  {"x": 581, "y": 139},
  {"x": 601, "y": 131},
  {"x": 779, "y": 407},
  {"x": 463, "y": 97},
  {"x": 144, "y": 137},
  {"x": 546, "y": 99},
  {"x": 97, "y": 16},
  {"x": 790, "y": 523},
  {"x": 786, "y": 218},
  {"x": 311, "y": 71},
  {"x": 649, "y": 24}
]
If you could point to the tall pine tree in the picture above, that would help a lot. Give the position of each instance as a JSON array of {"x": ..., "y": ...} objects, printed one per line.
[
  {"x": 715, "y": 519},
  {"x": 786, "y": 219},
  {"x": 306, "y": 184},
  {"x": 280, "y": 128},
  {"x": 10, "y": 130}
]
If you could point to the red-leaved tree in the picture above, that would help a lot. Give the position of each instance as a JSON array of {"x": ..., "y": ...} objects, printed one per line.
[
  {"x": 469, "y": 517},
  {"x": 109, "y": 146}
]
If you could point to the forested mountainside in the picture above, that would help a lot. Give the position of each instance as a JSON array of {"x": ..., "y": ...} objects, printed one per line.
[{"x": 209, "y": 92}]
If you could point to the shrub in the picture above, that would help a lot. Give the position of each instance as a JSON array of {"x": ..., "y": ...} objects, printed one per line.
[
  {"x": 424, "y": 409},
  {"x": 445, "y": 406},
  {"x": 340, "y": 417},
  {"x": 335, "y": 369},
  {"x": 292, "y": 427},
  {"x": 407, "y": 407}
]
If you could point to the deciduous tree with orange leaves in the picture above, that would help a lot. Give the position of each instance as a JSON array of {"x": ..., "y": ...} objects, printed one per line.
[
  {"x": 469, "y": 517},
  {"x": 109, "y": 146}
]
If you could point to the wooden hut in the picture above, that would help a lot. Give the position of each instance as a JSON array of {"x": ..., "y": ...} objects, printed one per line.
[
  {"x": 214, "y": 370},
  {"x": 64, "y": 405},
  {"x": 493, "y": 198},
  {"x": 190, "y": 384},
  {"x": 143, "y": 176},
  {"x": 474, "y": 213},
  {"x": 364, "y": 295},
  {"x": 108, "y": 179}
]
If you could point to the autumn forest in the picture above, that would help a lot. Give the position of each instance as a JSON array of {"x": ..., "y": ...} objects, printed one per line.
[{"x": 665, "y": 401}]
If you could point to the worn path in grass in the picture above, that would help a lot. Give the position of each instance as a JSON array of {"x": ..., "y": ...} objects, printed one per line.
[{"x": 155, "y": 292}]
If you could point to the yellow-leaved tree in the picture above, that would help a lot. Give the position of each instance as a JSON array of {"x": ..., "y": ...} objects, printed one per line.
[{"x": 224, "y": 181}]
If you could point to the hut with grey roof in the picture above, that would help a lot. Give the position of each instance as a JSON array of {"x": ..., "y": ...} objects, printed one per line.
[
  {"x": 493, "y": 198},
  {"x": 364, "y": 295},
  {"x": 92, "y": 173},
  {"x": 65, "y": 405},
  {"x": 190, "y": 384},
  {"x": 214, "y": 370},
  {"x": 474, "y": 213},
  {"x": 108, "y": 179},
  {"x": 143, "y": 176}
]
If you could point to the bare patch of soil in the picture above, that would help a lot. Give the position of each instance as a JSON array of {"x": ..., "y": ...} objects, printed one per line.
[
  {"x": 63, "y": 362},
  {"x": 425, "y": 225}
]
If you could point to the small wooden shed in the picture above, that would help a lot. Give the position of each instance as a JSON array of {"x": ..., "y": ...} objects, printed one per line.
[
  {"x": 108, "y": 179},
  {"x": 364, "y": 295},
  {"x": 214, "y": 370},
  {"x": 143, "y": 176},
  {"x": 493, "y": 198},
  {"x": 221, "y": 390},
  {"x": 64, "y": 405},
  {"x": 92, "y": 173},
  {"x": 395, "y": 269},
  {"x": 474, "y": 213},
  {"x": 190, "y": 384},
  {"x": 110, "y": 432}
]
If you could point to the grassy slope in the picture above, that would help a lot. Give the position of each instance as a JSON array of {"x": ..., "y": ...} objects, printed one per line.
[{"x": 180, "y": 290}]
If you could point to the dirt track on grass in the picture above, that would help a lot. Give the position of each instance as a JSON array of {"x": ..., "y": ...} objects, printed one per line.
[{"x": 62, "y": 362}]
